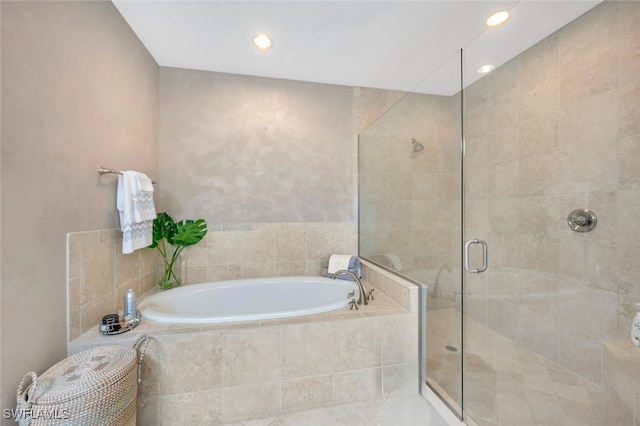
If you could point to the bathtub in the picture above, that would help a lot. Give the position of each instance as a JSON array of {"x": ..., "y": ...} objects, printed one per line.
[{"x": 248, "y": 300}]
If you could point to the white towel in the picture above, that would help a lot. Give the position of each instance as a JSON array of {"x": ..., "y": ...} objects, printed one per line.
[
  {"x": 338, "y": 262},
  {"x": 135, "y": 205},
  {"x": 142, "y": 190}
]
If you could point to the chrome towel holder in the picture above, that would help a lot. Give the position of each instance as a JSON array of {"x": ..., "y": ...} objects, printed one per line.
[{"x": 105, "y": 171}]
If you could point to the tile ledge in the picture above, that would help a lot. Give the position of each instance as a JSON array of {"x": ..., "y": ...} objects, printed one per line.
[
  {"x": 386, "y": 307},
  {"x": 623, "y": 349},
  {"x": 397, "y": 279}
]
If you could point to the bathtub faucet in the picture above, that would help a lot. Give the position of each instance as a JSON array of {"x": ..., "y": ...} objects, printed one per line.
[{"x": 362, "y": 298}]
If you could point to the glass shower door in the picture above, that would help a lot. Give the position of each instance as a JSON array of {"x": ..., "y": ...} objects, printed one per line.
[
  {"x": 543, "y": 138},
  {"x": 481, "y": 376},
  {"x": 444, "y": 374},
  {"x": 410, "y": 213}
]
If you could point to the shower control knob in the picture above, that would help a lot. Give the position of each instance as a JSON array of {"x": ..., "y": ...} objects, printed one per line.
[{"x": 582, "y": 220}]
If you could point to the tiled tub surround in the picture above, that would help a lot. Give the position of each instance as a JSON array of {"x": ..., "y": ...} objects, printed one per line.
[
  {"x": 212, "y": 374},
  {"x": 98, "y": 273},
  {"x": 232, "y": 251},
  {"x": 395, "y": 288}
]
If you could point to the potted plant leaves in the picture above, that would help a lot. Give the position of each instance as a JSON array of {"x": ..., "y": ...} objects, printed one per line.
[{"x": 169, "y": 234}]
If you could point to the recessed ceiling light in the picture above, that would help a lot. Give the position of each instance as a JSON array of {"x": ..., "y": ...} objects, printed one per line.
[
  {"x": 497, "y": 18},
  {"x": 486, "y": 68},
  {"x": 262, "y": 41}
]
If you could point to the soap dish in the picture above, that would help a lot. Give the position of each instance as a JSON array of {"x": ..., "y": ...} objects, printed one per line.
[{"x": 113, "y": 324}]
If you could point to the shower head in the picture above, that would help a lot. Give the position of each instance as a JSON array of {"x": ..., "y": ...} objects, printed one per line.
[{"x": 417, "y": 146}]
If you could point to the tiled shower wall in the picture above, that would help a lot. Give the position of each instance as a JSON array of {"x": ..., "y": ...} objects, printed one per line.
[
  {"x": 552, "y": 130},
  {"x": 621, "y": 382},
  {"x": 410, "y": 201}
]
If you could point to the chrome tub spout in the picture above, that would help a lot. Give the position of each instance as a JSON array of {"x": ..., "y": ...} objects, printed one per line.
[{"x": 362, "y": 298}]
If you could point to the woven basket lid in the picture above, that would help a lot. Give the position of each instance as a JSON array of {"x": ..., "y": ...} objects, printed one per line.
[{"x": 84, "y": 373}]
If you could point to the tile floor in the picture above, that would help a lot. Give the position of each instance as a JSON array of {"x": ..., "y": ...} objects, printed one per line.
[
  {"x": 390, "y": 411},
  {"x": 506, "y": 384}
]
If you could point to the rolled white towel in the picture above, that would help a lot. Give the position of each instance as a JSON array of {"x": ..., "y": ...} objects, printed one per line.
[
  {"x": 338, "y": 262},
  {"x": 342, "y": 262}
]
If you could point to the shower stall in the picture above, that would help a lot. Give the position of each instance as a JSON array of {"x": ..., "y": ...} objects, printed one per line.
[{"x": 515, "y": 213}]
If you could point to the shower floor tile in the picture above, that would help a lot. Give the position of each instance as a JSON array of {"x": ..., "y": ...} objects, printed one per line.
[{"x": 505, "y": 383}]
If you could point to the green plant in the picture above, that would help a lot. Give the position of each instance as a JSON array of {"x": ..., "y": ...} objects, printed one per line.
[{"x": 166, "y": 234}]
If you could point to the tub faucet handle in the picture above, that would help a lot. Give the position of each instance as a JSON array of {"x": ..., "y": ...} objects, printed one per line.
[
  {"x": 370, "y": 296},
  {"x": 361, "y": 297},
  {"x": 353, "y": 305}
]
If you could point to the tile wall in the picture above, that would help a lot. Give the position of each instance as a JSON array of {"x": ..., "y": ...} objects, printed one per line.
[
  {"x": 410, "y": 201},
  {"x": 210, "y": 374},
  {"x": 621, "y": 382},
  {"x": 241, "y": 374},
  {"x": 556, "y": 129},
  {"x": 98, "y": 275},
  {"x": 266, "y": 250}
]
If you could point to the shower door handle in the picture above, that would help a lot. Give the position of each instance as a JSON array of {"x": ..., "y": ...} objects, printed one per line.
[{"x": 484, "y": 256}]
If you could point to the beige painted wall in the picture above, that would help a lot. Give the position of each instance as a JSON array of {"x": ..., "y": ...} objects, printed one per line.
[
  {"x": 270, "y": 164},
  {"x": 238, "y": 149},
  {"x": 95, "y": 103},
  {"x": 78, "y": 91}
]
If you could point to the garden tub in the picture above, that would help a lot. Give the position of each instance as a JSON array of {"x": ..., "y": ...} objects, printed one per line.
[{"x": 248, "y": 300}]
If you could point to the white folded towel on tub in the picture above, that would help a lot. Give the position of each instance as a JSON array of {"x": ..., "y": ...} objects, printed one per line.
[
  {"x": 352, "y": 265},
  {"x": 135, "y": 205},
  {"x": 338, "y": 262}
]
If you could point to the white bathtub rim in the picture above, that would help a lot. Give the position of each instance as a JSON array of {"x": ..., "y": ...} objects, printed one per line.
[{"x": 151, "y": 314}]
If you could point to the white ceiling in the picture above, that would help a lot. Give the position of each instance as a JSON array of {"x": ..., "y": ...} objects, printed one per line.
[{"x": 383, "y": 44}]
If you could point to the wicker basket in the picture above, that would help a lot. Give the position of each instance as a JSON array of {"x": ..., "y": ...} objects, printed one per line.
[{"x": 93, "y": 387}]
